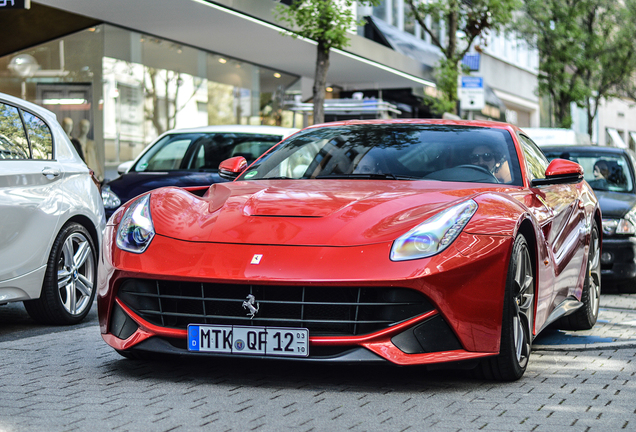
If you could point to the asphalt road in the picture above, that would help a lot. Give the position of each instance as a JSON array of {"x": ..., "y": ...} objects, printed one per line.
[{"x": 65, "y": 379}]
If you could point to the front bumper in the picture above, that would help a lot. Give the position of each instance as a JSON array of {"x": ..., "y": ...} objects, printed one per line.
[
  {"x": 618, "y": 258},
  {"x": 464, "y": 284}
]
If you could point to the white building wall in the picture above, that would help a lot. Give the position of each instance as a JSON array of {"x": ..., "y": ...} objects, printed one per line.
[
  {"x": 510, "y": 67},
  {"x": 617, "y": 114},
  {"x": 507, "y": 65}
]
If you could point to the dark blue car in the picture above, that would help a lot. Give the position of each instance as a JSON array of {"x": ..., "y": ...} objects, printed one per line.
[
  {"x": 188, "y": 157},
  {"x": 610, "y": 171}
]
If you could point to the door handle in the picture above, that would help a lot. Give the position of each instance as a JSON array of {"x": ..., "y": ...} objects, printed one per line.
[{"x": 50, "y": 172}]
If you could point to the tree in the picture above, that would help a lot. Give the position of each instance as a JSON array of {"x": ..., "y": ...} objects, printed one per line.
[
  {"x": 585, "y": 51},
  {"x": 327, "y": 23},
  {"x": 464, "y": 21},
  {"x": 611, "y": 61}
]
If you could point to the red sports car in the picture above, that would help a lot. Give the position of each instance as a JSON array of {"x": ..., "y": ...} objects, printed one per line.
[{"x": 413, "y": 242}]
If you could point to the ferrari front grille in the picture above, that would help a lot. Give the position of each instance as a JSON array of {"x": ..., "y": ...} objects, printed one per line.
[{"x": 325, "y": 311}]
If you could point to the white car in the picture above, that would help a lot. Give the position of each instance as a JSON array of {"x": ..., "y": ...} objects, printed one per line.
[{"x": 51, "y": 217}]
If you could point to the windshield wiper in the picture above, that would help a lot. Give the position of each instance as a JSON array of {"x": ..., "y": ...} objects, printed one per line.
[{"x": 370, "y": 176}]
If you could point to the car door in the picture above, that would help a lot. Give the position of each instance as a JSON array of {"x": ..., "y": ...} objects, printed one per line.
[
  {"x": 28, "y": 178},
  {"x": 561, "y": 215}
]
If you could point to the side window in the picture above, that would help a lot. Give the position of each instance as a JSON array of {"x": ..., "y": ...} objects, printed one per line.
[
  {"x": 13, "y": 140},
  {"x": 39, "y": 135},
  {"x": 535, "y": 159}
]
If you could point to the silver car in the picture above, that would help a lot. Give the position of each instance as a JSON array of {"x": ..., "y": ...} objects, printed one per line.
[{"x": 51, "y": 217}]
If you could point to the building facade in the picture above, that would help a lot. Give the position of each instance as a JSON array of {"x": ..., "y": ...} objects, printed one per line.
[{"x": 123, "y": 73}]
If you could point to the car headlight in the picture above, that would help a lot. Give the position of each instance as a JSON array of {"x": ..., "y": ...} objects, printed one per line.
[
  {"x": 618, "y": 226},
  {"x": 136, "y": 229},
  {"x": 435, "y": 234},
  {"x": 110, "y": 198}
]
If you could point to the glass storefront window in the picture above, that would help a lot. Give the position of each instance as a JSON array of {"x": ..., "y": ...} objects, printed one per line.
[
  {"x": 126, "y": 88},
  {"x": 64, "y": 76},
  {"x": 380, "y": 11},
  {"x": 153, "y": 85}
]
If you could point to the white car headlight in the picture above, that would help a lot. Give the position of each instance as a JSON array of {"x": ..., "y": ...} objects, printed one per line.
[
  {"x": 618, "y": 226},
  {"x": 435, "y": 234},
  {"x": 136, "y": 229},
  {"x": 110, "y": 198}
]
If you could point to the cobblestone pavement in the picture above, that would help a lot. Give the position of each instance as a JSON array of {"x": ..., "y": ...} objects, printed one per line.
[
  {"x": 71, "y": 380},
  {"x": 616, "y": 327}
]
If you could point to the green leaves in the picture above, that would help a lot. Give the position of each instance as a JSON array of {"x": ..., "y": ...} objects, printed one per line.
[
  {"x": 586, "y": 49},
  {"x": 465, "y": 21},
  {"x": 324, "y": 21}
]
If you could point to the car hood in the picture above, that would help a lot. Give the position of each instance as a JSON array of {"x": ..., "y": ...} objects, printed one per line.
[
  {"x": 309, "y": 213},
  {"x": 130, "y": 185},
  {"x": 615, "y": 204}
]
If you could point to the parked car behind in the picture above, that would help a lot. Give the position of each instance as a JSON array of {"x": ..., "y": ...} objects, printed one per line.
[
  {"x": 188, "y": 157},
  {"x": 51, "y": 217},
  {"x": 610, "y": 172},
  {"x": 557, "y": 136}
]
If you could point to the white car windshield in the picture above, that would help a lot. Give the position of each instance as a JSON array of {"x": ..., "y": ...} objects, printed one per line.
[{"x": 202, "y": 151}]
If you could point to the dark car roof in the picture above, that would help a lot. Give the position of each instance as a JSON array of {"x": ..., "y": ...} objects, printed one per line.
[{"x": 590, "y": 149}]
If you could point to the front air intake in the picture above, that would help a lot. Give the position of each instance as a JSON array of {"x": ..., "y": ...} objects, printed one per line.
[{"x": 339, "y": 311}]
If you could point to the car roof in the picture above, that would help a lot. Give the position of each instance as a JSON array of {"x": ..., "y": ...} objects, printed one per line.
[
  {"x": 583, "y": 149},
  {"x": 418, "y": 121},
  {"x": 253, "y": 129},
  {"x": 482, "y": 123}
]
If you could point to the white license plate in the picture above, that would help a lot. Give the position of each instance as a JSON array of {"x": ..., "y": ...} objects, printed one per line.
[{"x": 270, "y": 341}]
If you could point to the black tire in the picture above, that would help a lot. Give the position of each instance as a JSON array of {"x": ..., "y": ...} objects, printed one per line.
[
  {"x": 585, "y": 317},
  {"x": 517, "y": 321},
  {"x": 70, "y": 280}
]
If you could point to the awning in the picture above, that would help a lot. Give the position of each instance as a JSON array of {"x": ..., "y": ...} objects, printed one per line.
[
  {"x": 617, "y": 141},
  {"x": 407, "y": 44},
  {"x": 633, "y": 136},
  {"x": 220, "y": 26}
]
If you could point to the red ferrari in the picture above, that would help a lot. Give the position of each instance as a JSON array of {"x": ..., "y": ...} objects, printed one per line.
[{"x": 412, "y": 242}]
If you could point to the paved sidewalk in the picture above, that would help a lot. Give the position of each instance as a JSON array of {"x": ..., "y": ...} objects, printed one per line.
[{"x": 615, "y": 328}]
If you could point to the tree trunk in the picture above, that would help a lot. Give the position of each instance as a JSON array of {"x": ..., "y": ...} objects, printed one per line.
[
  {"x": 320, "y": 82},
  {"x": 154, "y": 114},
  {"x": 451, "y": 55},
  {"x": 563, "y": 115},
  {"x": 590, "y": 115}
]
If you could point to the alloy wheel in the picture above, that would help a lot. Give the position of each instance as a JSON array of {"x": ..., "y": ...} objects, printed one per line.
[
  {"x": 594, "y": 273},
  {"x": 523, "y": 303},
  {"x": 75, "y": 274}
]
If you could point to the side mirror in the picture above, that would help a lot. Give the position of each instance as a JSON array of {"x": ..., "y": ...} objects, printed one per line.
[
  {"x": 123, "y": 168},
  {"x": 560, "y": 171},
  {"x": 231, "y": 168}
]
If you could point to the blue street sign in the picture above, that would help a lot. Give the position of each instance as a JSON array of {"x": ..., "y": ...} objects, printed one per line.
[{"x": 472, "y": 82}]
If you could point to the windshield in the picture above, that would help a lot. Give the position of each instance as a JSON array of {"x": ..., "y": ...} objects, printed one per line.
[
  {"x": 394, "y": 152},
  {"x": 203, "y": 151},
  {"x": 603, "y": 171}
]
